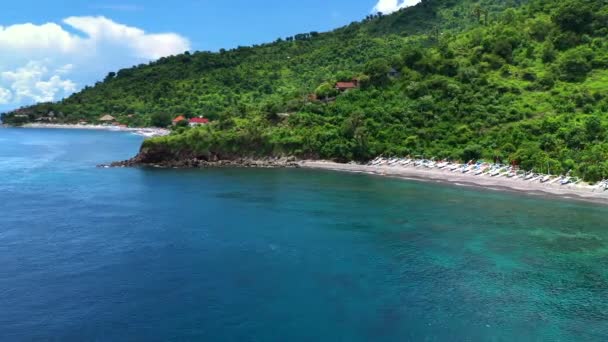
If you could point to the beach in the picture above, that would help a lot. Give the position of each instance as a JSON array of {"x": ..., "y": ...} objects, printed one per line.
[
  {"x": 580, "y": 191},
  {"x": 148, "y": 132}
]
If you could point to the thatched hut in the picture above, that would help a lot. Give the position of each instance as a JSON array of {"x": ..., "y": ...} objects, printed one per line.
[{"x": 107, "y": 118}]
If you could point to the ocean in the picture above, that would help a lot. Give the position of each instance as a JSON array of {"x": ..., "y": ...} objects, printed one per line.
[{"x": 92, "y": 254}]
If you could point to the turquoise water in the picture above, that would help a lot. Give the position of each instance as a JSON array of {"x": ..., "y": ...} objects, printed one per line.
[{"x": 282, "y": 255}]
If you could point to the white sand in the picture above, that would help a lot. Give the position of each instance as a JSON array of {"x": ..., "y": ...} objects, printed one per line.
[
  {"x": 580, "y": 191},
  {"x": 146, "y": 132}
]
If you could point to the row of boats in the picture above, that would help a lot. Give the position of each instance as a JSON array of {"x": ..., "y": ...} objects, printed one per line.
[{"x": 481, "y": 169}]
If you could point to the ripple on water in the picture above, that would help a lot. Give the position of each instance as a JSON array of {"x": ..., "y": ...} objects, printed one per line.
[{"x": 290, "y": 254}]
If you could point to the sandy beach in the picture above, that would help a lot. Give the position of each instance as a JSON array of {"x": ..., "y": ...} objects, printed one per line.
[
  {"x": 147, "y": 132},
  {"x": 580, "y": 191}
]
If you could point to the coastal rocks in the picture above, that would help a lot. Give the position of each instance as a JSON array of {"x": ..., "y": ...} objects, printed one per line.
[
  {"x": 161, "y": 156},
  {"x": 269, "y": 162}
]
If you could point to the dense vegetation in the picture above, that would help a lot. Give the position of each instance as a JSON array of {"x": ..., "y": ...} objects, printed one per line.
[{"x": 516, "y": 81}]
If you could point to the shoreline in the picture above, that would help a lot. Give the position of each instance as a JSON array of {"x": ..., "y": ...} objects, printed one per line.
[
  {"x": 147, "y": 132},
  {"x": 417, "y": 171},
  {"x": 582, "y": 192}
]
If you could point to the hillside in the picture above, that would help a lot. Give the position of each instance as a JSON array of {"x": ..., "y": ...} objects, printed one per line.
[
  {"x": 212, "y": 84},
  {"x": 502, "y": 80}
]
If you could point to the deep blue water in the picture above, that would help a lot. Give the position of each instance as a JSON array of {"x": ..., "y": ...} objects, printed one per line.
[{"x": 282, "y": 255}]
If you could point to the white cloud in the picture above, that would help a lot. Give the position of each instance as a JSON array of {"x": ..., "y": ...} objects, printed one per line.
[
  {"x": 33, "y": 82},
  {"x": 44, "y": 62},
  {"x": 142, "y": 44},
  {"x": 5, "y": 96},
  {"x": 30, "y": 37},
  {"x": 65, "y": 69},
  {"x": 390, "y": 6}
]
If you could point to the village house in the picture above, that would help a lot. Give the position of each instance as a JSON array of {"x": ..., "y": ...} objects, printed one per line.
[
  {"x": 198, "y": 121},
  {"x": 178, "y": 119},
  {"x": 393, "y": 73},
  {"x": 344, "y": 86},
  {"x": 106, "y": 119}
]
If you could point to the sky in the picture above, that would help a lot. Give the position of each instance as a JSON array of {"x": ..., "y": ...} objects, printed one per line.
[{"x": 50, "y": 49}]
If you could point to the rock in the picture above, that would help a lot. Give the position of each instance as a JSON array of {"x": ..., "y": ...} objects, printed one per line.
[{"x": 157, "y": 159}]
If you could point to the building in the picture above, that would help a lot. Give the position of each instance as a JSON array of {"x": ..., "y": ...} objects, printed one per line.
[
  {"x": 198, "y": 121},
  {"x": 394, "y": 73},
  {"x": 178, "y": 119},
  {"x": 344, "y": 86},
  {"x": 107, "y": 118}
]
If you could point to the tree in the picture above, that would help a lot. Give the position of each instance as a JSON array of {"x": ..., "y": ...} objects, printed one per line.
[
  {"x": 110, "y": 76},
  {"x": 504, "y": 49},
  {"x": 575, "y": 64},
  {"x": 540, "y": 28},
  {"x": 472, "y": 152},
  {"x": 378, "y": 70},
  {"x": 160, "y": 120},
  {"x": 411, "y": 56},
  {"x": 593, "y": 128},
  {"x": 575, "y": 16},
  {"x": 548, "y": 53},
  {"x": 477, "y": 11},
  {"x": 326, "y": 90}
]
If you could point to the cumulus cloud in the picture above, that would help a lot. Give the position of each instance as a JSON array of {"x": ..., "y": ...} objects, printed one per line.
[
  {"x": 142, "y": 44},
  {"x": 33, "y": 82},
  {"x": 390, "y": 6},
  {"x": 45, "y": 62},
  {"x": 28, "y": 38}
]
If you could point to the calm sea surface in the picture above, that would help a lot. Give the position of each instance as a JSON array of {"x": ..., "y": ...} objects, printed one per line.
[{"x": 281, "y": 255}]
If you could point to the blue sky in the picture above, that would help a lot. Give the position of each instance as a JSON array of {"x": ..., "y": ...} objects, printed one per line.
[{"x": 48, "y": 49}]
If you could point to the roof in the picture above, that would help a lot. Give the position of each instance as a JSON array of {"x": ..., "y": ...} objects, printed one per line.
[
  {"x": 199, "y": 120},
  {"x": 107, "y": 118},
  {"x": 346, "y": 85},
  {"x": 179, "y": 118}
]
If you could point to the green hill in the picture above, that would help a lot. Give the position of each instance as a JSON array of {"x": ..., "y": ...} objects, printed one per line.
[{"x": 522, "y": 82}]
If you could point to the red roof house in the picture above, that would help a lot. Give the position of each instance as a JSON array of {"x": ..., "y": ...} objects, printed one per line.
[
  {"x": 343, "y": 86},
  {"x": 179, "y": 119},
  {"x": 198, "y": 121}
]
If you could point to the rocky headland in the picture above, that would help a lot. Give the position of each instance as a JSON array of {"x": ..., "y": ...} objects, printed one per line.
[{"x": 148, "y": 157}]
